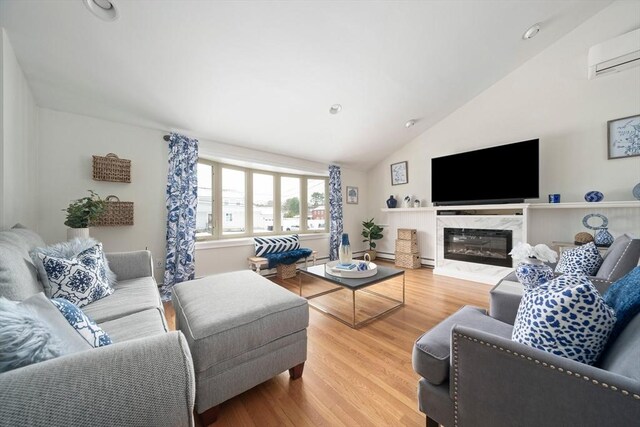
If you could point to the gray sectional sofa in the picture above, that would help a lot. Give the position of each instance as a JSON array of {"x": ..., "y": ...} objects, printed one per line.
[{"x": 144, "y": 378}]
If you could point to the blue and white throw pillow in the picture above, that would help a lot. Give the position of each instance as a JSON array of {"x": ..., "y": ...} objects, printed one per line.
[
  {"x": 69, "y": 250},
  {"x": 86, "y": 327},
  {"x": 80, "y": 280},
  {"x": 567, "y": 317},
  {"x": 272, "y": 245},
  {"x": 585, "y": 259}
]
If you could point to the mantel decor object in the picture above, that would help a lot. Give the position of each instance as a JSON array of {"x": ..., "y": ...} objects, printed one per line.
[
  {"x": 399, "y": 173},
  {"x": 623, "y": 137},
  {"x": 594, "y": 196},
  {"x": 636, "y": 191},
  {"x": 111, "y": 168},
  {"x": 392, "y": 202}
]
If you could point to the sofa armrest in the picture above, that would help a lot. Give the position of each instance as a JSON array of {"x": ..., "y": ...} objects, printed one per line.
[
  {"x": 496, "y": 381},
  {"x": 131, "y": 265},
  {"x": 142, "y": 382}
]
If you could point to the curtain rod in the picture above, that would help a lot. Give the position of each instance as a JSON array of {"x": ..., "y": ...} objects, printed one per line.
[{"x": 166, "y": 137}]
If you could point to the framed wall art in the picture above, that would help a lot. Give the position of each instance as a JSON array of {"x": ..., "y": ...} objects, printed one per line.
[
  {"x": 352, "y": 195},
  {"x": 623, "y": 137},
  {"x": 399, "y": 173}
]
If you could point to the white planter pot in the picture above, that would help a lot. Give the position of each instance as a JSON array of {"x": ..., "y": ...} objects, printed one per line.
[{"x": 82, "y": 233}]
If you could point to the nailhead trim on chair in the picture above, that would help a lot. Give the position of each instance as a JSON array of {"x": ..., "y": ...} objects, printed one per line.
[{"x": 546, "y": 365}]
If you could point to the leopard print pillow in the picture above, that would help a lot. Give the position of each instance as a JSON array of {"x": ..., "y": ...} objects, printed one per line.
[
  {"x": 567, "y": 317},
  {"x": 585, "y": 259}
]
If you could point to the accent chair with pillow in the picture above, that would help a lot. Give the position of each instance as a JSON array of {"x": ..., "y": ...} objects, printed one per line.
[
  {"x": 480, "y": 370},
  {"x": 106, "y": 358}
]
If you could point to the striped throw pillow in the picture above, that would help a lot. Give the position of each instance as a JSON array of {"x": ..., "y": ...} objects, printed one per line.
[{"x": 272, "y": 245}]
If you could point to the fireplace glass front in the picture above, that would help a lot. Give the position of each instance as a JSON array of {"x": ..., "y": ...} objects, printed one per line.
[{"x": 481, "y": 246}]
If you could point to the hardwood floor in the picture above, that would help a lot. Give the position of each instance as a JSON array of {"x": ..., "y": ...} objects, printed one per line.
[{"x": 355, "y": 377}]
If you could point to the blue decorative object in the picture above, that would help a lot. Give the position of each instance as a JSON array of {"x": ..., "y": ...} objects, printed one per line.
[
  {"x": 288, "y": 257},
  {"x": 566, "y": 317},
  {"x": 70, "y": 250},
  {"x": 636, "y": 191},
  {"x": 86, "y": 327},
  {"x": 392, "y": 202},
  {"x": 585, "y": 221},
  {"x": 603, "y": 238},
  {"x": 272, "y": 245},
  {"x": 25, "y": 338},
  {"x": 531, "y": 273},
  {"x": 80, "y": 280},
  {"x": 335, "y": 211},
  {"x": 182, "y": 203},
  {"x": 344, "y": 251},
  {"x": 554, "y": 198},
  {"x": 585, "y": 259},
  {"x": 624, "y": 297},
  {"x": 594, "y": 196}
]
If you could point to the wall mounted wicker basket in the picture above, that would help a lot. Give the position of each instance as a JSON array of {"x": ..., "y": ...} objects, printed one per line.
[
  {"x": 116, "y": 213},
  {"x": 111, "y": 168}
]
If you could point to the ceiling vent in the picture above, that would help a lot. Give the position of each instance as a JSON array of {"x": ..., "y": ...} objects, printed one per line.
[{"x": 615, "y": 55}]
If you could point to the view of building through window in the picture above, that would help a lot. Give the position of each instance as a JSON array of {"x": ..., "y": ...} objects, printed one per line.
[
  {"x": 233, "y": 201},
  {"x": 204, "y": 213},
  {"x": 316, "y": 204},
  {"x": 262, "y": 203}
]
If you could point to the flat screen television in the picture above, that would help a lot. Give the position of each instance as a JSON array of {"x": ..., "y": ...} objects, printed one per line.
[{"x": 504, "y": 174}]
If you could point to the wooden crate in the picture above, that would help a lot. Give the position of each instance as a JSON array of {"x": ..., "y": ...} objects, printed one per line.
[
  {"x": 407, "y": 260},
  {"x": 407, "y": 246},
  {"x": 286, "y": 271},
  {"x": 407, "y": 234}
]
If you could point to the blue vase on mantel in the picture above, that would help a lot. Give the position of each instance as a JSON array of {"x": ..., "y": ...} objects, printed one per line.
[
  {"x": 602, "y": 238},
  {"x": 533, "y": 272},
  {"x": 392, "y": 202}
]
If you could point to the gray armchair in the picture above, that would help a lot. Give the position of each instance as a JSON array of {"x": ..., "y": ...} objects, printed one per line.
[{"x": 473, "y": 374}]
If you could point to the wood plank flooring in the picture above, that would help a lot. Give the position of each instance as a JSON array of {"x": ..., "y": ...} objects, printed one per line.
[{"x": 355, "y": 377}]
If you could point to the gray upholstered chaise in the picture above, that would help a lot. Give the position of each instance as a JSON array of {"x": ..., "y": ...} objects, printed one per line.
[{"x": 473, "y": 374}]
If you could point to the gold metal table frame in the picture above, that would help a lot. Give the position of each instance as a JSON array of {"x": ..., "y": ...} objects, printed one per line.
[{"x": 374, "y": 281}]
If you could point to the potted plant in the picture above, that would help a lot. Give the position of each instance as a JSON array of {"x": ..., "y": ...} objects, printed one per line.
[
  {"x": 80, "y": 214},
  {"x": 371, "y": 232}
]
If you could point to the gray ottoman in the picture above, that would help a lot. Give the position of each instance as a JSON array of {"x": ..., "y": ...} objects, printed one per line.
[{"x": 242, "y": 330}]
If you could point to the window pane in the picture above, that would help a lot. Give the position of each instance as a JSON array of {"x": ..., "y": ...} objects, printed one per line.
[
  {"x": 233, "y": 201},
  {"x": 290, "y": 207},
  {"x": 316, "y": 204},
  {"x": 204, "y": 214},
  {"x": 262, "y": 203}
]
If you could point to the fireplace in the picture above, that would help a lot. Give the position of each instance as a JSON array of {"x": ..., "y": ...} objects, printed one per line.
[{"x": 489, "y": 247}]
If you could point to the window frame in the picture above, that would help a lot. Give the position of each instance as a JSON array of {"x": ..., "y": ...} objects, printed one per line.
[{"x": 216, "y": 203}]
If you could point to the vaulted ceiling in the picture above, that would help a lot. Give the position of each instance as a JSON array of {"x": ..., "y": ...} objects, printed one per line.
[{"x": 264, "y": 74}]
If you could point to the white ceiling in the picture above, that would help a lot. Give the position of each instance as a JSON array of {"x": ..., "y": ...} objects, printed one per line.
[{"x": 264, "y": 74}]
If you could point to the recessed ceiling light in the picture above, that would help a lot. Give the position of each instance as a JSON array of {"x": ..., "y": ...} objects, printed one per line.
[
  {"x": 103, "y": 9},
  {"x": 410, "y": 123},
  {"x": 335, "y": 108},
  {"x": 531, "y": 32}
]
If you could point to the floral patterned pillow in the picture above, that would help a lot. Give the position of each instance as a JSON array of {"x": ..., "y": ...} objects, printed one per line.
[{"x": 80, "y": 280}]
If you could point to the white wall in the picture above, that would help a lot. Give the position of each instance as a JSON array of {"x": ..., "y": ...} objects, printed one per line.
[
  {"x": 69, "y": 140},
  {"x": 549, "y": 97},
  {"x": 18, "y": 142},
  {"x": 67, "y": 143}
]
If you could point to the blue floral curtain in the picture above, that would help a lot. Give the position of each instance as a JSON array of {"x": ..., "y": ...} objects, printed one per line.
[
  {"x": 335, "y": 211},
  {"x": 182, "y": 202}
]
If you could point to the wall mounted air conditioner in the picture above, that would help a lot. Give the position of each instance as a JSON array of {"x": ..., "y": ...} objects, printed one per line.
[{"x": 615, "y": 55}]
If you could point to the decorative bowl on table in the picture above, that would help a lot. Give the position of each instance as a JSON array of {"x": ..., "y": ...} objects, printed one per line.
[{"x": 356, "y": 273}]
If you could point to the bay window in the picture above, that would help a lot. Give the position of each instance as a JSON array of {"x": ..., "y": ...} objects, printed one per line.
[{"x": 242, "y": 202}]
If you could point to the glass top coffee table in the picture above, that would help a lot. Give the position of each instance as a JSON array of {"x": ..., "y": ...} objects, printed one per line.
[{"x": 384, "y": 274}]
